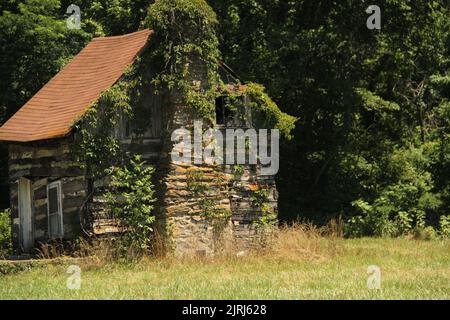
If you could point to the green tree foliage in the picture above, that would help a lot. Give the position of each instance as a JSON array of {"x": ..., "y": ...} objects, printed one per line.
[
  {"x": 111, "y": 17},
  {"x": 444, "y": 226},
  {"x": 400, "y": 207},
  {"x": 372, "y": 139}
]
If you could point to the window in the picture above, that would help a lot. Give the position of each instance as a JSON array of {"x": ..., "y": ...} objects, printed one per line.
[
  {"x": 54, "y": 208},
  {"x": 223, "y": 112}
]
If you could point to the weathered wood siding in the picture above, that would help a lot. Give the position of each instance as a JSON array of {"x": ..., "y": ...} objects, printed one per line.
[{"x": 44, "y": 162}]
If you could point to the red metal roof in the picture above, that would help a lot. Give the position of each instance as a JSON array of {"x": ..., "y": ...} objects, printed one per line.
[{"x": 51, "y": 112}]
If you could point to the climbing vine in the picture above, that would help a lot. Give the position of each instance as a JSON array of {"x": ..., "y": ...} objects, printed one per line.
[
  {"x": 97, "y": 132},
  {"x": 238, "y": 170},
  {"x": 268, "y": 217},
  {"x": 96, "y": 145},
  {"x": 184, "y": 50},
  {"x": 266, "y": 113},
  {"x": 197, "y": 184}
]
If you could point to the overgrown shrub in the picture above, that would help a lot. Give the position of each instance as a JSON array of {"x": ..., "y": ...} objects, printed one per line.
[
  {"x": 5, "y": 232},
  {"x": 427, "y": 233},
  {"x": 444, "y": 226},
  {"x": 131, "y": 200},
  {"x": 401, "y": 207}
]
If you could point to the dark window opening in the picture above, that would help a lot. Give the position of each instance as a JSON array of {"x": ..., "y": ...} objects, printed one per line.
[
  {"x": 223, "y": 111},
  {"x": 53, "y": 200}
]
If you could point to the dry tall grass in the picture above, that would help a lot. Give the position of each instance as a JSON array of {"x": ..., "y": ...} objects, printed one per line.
[
  {"x": 302, "y": 242},
  {"x": 299, "y": 241}
]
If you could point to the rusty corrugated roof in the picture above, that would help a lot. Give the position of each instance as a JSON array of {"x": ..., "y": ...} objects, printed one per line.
[{"x": 51, "y": 112}]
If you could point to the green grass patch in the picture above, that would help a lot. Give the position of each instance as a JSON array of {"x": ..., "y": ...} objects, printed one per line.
[{"x": 410, "y": 269}]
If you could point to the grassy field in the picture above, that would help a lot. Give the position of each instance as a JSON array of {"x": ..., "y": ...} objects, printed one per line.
[{"x": 298, "y": 267}]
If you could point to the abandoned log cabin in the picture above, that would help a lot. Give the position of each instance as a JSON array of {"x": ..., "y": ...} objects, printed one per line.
[{"x": 53, "y": 197}]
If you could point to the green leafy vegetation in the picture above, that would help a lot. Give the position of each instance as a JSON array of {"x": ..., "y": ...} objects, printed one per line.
[
  {"x": 184, "y": 47},
  {"x": 267, "y": 112},
  {"x": 444, "y": 226},
  {"x": 96, "y": 146},
  {"x": 209, "y": 209},
  {"x": 400, "y": 207},
  {"x": 5, "y": 232},
  {"x": 268, "y": 217},
  {"x": 97, "y": 139},
  {"x": 131, "y": 200}
]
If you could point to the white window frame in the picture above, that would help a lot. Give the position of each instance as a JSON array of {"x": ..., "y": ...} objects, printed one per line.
[{"x": 57, "y": 185}]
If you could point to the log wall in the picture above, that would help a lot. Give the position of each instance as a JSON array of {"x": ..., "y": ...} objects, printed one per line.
[{"x": 44, "y": 162}]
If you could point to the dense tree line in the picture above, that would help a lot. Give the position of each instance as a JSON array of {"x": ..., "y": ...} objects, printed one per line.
[{"x": 372, "y": 143}]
